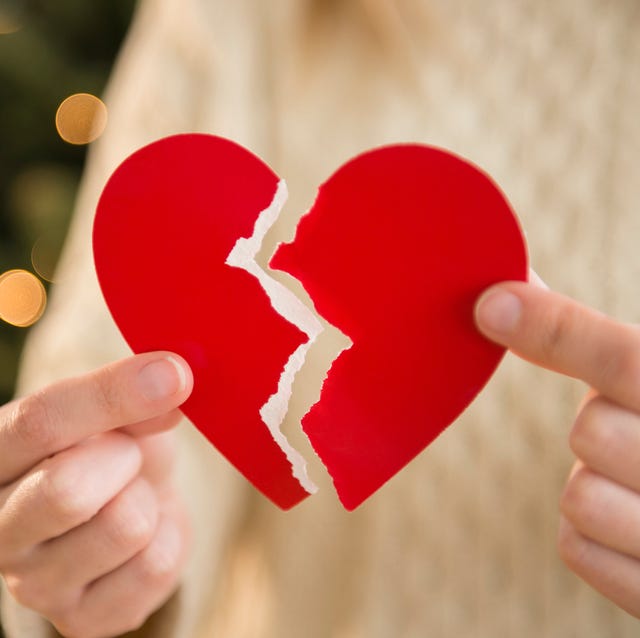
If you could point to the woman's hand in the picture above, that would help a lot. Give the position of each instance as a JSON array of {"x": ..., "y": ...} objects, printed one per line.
[
  {"x": 92, "y": 534},
  {"x": 600, "y": 524}
]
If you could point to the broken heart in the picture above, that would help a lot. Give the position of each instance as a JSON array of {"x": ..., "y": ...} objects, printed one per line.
[{"x": 397, "y": 247}]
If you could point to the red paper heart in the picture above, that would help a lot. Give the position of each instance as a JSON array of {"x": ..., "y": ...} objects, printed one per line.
[{"x": 395, "y": 251}]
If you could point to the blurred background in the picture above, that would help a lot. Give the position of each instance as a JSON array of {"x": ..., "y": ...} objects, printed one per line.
[{"x": 49, "y": 50}]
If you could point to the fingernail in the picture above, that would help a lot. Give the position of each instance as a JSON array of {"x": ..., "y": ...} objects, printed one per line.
[
  {"x": 162, "y": 379},
  {"x": 498, "y": 312}
]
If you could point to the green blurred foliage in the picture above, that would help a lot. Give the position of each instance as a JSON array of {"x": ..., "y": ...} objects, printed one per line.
[{"x": 57, "y": 48}]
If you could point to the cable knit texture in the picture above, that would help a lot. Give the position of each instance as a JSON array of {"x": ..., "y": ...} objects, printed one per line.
[{"x": 544, "y": 95}]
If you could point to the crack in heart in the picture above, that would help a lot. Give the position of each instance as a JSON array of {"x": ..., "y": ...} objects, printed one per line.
[{"x": 286, "y": 304}]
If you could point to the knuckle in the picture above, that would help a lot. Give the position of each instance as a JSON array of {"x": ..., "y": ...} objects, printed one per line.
[
  {"x": 27, "y": 592},
  {"x": 126, "y": 623},
  {"x": 159, "y": 564},
  {"x": 71, "y": 625},
  {"x": 78, "y": 622},
  {"x": 107, "y": 396},
  {"x": 131, "y": 520},
  {"x": 591, "y": 434},
  {"x": 157, "y": 567},
  {"x": 572, "y": 547},
  {"x": 64, "y": 495},
  {"x": 137, "y": 620},
  {"x": 19, "y": 589},
  {"x": 35, "y": 593},
  {"x": 34, "y": 421},
  {"x": 579, "y": 501}
]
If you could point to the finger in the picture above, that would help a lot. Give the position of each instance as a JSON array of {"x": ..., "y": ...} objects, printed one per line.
[
  {"x": 615, "y": 575},
  {"x": 603, "y": 511},
  {"x": 65, "y": 491},
  {"x": 606, "y": 438},
  {"x": 558, "y": 333},
  {"x": 122, "y": 600},
  {"x": 158, "y": 457},
  {"x": 54, "y": 575},
  {"x": 158, "y": 424},
  {"x": 130, "y": 391}
]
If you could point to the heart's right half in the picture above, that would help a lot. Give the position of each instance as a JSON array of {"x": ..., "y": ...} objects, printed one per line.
[{"x": 398, "y": 246}]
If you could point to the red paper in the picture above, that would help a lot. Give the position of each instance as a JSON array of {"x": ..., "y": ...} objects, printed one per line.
[
  {"x": 165, "y": 224},
  {"x": 395, "y": 251}
]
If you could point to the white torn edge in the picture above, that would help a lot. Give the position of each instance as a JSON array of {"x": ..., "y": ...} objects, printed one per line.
[{"x": 285, "y": 303}]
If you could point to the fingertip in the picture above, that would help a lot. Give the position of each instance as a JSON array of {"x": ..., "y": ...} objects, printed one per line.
[
  {"x": 165, "y": 376},
  {"x": 497, "y": 312},
  {"x": 183, "y": 370}
]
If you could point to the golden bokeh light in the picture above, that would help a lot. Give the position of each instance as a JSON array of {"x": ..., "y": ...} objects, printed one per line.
[
  {"x": 81, "y": 118},
  {"x": 22, "y": 298}
]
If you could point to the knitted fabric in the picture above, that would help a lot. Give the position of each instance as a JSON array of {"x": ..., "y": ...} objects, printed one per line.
[{"x": 545, "y": 96}]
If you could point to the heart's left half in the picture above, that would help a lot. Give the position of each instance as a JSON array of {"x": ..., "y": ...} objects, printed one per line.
[{"x": 166, "y": 222}]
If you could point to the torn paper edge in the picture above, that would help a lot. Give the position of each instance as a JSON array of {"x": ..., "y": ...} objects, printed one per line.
[
  {"x": 337, "y": 352},
  {"x": 286, "y": 304}
]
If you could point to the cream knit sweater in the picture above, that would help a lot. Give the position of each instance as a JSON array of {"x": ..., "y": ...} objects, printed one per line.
[{"x": 545, "y": 95}]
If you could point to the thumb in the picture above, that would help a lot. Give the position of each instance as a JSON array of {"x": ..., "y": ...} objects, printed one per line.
[{"x": 558, "y": 333}]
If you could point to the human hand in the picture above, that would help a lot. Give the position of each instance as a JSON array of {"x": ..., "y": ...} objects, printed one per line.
[
  {"x": 600, "y": 509},
  {"x": 92, "y": 534}
]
